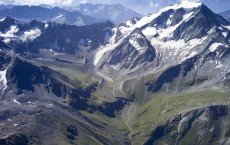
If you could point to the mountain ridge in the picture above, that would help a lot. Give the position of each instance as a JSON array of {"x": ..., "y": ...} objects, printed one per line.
[
  {"x": 115, "y": 13},
  {"x": 40, "y": 13},
  {"x": 193, "y": 29}
]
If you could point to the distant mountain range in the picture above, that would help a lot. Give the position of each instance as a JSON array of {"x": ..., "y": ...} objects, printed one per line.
[
  {"x": 115, "y": 13},
  {"x": 83, "y": 14},
  {"x": 226, "y": 14},
  {"x": 39, "y": 13}
]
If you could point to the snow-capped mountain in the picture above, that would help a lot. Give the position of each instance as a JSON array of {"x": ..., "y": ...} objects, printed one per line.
[
  {"x": 41, "y": 13},
  {"x": 187, "y": 34},
  {"x": 35, "y": 36},
  {"x": 115, "y": 13}
]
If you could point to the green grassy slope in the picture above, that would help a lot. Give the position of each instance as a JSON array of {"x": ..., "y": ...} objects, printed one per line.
[{"x": 161, "y": 107}]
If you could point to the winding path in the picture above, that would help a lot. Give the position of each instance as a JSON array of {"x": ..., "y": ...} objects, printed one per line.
[{"x": 131, "y": 112}]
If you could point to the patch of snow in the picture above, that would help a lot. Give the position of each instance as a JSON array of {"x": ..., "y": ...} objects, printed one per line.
[
  {"x": 58, "y": 17},
  {"x": 220, "y": 28},
  {"x": 15, "y": 125},
  {"x": 31, "y": 35},
  {"x": 7, "y": 40},
  {"x": 219, "y": 65},
  {"x": 149, "y": 31},
  {"x": 227, "y": 27},
  {"x": 104, "y": 49},
  {"x": 187, "y": 4},
  {"x": 15, "y": 101},
  {"x": 193, "y": 53},
  {"x": 2, "y": 19},
  {"x": 214, "y": 46},
  {"x": 10, "y": 33},
  {"x": 128, "y": 23},
  {"x": 31, "y": 103},
  {"x": 51, "y": 50},
  {"x": 3, "y": 77},
  {"x": 225, "y": 34},
  {"x": 9, "y": 120},
  {"x": 169, "y": 21},
  {"x": 135, "y": 43},
  {"x": 46, "y": 25},
  {"x": 212, "y": 129}
]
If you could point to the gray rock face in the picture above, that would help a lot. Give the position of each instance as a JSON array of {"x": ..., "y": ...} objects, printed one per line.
[
  {"x": 134, "y": 51},
  {"x": 199, "y": 25},
  {"x": 202, "y": 126}
]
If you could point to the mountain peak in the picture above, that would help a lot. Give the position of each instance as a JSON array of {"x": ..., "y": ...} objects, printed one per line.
[
  {"x": 170, "y": 28},
  {"x": 191, "y": 2},
  {"x": 183, "y": 4}
]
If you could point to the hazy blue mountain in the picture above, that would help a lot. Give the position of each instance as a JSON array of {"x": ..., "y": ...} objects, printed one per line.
[
  {"x": 40, "y": 13},
  {"x": 115, "y": 13},
  {"x": 226, "y": 14}
]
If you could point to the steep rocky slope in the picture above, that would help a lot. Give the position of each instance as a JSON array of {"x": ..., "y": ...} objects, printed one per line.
[{"x": 201, "y": 126}]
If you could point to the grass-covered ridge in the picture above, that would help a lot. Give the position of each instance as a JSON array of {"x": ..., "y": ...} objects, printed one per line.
[{"x": 161, "y": 107}]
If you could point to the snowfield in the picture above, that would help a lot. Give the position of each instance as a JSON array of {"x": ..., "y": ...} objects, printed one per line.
[
  {"x": 27, "y": 35},
  {"x": 31, "y": 35},
  {"x": 214, "y": 46},
  {"x": 10, "y": 33}
]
